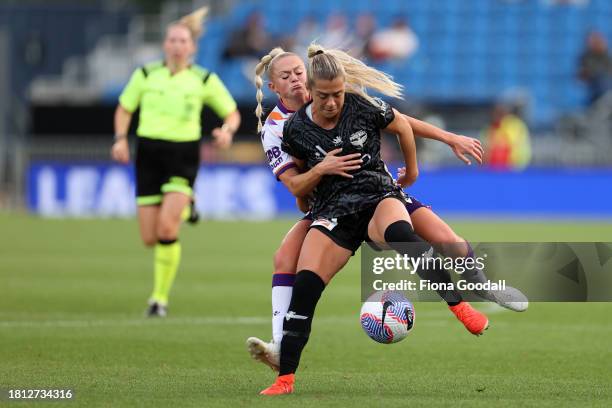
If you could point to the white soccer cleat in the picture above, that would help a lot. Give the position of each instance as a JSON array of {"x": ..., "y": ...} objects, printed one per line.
[
  {"x": 267, "y": 353},
  {"x": 510, "y": 298}
]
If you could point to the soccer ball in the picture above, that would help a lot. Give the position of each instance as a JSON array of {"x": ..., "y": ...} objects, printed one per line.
[{"x": 387, "y": 316}]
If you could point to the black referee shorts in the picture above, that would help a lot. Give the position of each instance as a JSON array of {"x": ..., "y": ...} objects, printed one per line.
[{"x": 164, "y": 167}]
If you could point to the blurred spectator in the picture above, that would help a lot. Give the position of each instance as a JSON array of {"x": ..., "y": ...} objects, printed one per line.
[
  {"x": 307, "y": 32},
  {"x": 506, "y": 140},
  {"x": 249, "y": 41},
  {"x": 580, "y": 3},
  {"x": 396, "y": 42},
  {"x": 337, "y": 33},
  {"x": 595, "y": 66},
  {"x": 365, "y": 26}
]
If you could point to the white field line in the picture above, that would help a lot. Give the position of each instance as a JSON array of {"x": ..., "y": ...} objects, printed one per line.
[
  {"x": 433, "y": 318},
  {"x": 430, "y": 318},
  {"x": 184, "y": 321}
]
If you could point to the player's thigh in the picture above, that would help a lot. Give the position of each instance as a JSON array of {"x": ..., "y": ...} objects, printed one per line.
[
  {"x": 388, "y": 211},
  {"x": 286, "y": 256},
  {"x": 147, "y": 221},
  {"x": 321, "y": 255},
  {"x": 169, "y": 219},
  {"x": 434, "y": 230}
]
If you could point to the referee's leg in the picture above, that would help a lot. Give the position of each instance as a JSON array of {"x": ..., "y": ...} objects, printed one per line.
[{"x": 168, "y": 247}]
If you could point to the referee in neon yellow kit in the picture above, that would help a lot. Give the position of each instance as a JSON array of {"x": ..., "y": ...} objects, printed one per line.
[{"x": 170, "y": 94}]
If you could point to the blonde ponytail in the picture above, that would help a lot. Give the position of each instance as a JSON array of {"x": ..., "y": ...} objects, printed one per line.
[
  {"x": 262, "y": 68},
  {"x": 194, "y": 22},
  {"x": 332, "y": 63}
]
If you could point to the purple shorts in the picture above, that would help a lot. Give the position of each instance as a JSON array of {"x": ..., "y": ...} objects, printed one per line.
[{"x": 413, "y": 204}]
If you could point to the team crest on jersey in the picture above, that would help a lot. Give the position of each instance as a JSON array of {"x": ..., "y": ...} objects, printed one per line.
[
  {"x": 337, "y": 141},
  {"x": 359, "y": 138}
]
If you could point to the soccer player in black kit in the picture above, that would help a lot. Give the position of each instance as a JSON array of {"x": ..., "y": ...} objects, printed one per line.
[{"x": 346, "y": 210}]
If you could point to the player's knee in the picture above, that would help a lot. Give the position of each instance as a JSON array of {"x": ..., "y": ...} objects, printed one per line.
[
  {"x": 284, "y": 262},
  {"x": 149, "y": 241},
  {"x": 167, "y": 229},
  {"x": 400, "y": 231},
  {"x": 454, "y": 246},
  {"x": 401, "y": 237},
  {"x": 447, "y": 242},
  {"x": 148, "y": 237}
]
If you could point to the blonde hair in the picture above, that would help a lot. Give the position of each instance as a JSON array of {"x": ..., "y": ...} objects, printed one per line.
[
  {"x": 194, "y": 22},
  {"x": 330, "y": 64},
  {"x": 264, "y": 67}
]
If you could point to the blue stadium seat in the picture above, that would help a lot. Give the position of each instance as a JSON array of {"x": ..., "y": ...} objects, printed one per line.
[{"x": 474, "y": 49}]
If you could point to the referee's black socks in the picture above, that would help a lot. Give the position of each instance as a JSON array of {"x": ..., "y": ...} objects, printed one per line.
[
  {"x": 307, "y": 290},
  {"x": 401, "y": 237}
]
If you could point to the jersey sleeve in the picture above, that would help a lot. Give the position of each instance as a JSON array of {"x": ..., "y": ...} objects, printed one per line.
[
  {"x": 217, "y": 97},
  {"x": 289, "y": 144},
  {"x": 130, "y": 97},
  {"x": 383, "y": 114},
  {"x": 278, "y": 160}
]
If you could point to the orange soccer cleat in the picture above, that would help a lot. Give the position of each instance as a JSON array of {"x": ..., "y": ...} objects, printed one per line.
[
  {"x": 472, "y": 319},
  {"x": 282, "y": 385}
]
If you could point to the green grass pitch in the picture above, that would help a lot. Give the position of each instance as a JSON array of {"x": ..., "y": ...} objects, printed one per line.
[{"x": 73, "y": 294}]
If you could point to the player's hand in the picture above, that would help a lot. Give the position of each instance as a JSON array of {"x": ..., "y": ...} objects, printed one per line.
[
  {"x": 402, "y": 179},
  {"x": 223, "y": 138},
  {"x": 463, "y": 145},
  {"x": 336, "y": 165},
  {"x": 303, "y": 204},
  {"x": 120, "y": 151},
  {"x": 401, "y": 172}
]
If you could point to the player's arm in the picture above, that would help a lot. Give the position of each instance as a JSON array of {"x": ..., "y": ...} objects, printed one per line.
[
  {"x": 122, "y": 121},
  {"x": 303, "y": 204},
  {"x": 225, "y": 134},
  {"x": 129, "y": 100},
  {"x": 461, "y": 145},
  {"x": 218, "y": 98},
  {"x": 401, "y": 127},
  {"x": 302, "y": 184},
  {"x": 121, "y": 150}
]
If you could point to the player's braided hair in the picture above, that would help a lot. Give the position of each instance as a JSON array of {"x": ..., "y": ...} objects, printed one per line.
[
  {"x": 328, "y": 64},
  {"x": 264, "y": 66},
  {"x": 194, "y": 22}
]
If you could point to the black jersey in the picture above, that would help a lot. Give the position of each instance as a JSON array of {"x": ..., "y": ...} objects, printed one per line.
[{"x": 357, "y": 131}]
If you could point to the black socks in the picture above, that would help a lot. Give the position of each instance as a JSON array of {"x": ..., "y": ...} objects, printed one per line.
[
  {"x": 307, "y": 290},
  {"x": 401, "y": 237}
]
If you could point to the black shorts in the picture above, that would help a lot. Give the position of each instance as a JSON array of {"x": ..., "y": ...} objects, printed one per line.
[
  {"x": 164, "y": 167},
  {"x": 307, "y": 217},
  {"x": 350, "y": 231}
]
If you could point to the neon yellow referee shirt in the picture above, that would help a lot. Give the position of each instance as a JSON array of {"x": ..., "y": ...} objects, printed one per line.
[{"x": 171, "y": 105}]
